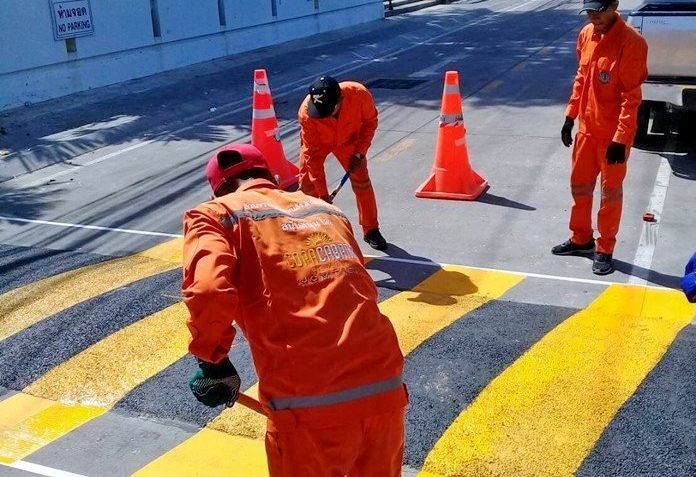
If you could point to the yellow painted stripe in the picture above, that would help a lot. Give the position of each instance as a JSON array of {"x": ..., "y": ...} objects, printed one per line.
[
  {"x": 38, "y": 429},
  {"x": 241, "y": 421},
  {"x": 211, "y": 452},
  {"x": 544, "y": 414},
  {"x": 397, "y": 149},
  {"x": 432, "y": 305},
  {"x": 521, "y": 66},
  {"x": 27, "y": 305},
  {"x": 19, "y": 405},
  {"x": 492, "y": 86},
  {"x": 441, "y": 299},
  {"x": 89, "y": 383}
]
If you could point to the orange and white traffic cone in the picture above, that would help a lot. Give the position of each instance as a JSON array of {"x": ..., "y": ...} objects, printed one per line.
[
  {"x": 265, "y": 135},
  {"x": 452, "y": 176}
]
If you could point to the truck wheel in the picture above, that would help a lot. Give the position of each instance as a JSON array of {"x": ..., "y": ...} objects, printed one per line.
[
  {"x": 643, "y": 123},
  {"x": 652, "y": 134}
]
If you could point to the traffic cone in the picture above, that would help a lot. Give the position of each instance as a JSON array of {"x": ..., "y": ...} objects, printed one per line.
[
  {"x": 452, "y": 176},
  {"x": 265, "y": 135}
]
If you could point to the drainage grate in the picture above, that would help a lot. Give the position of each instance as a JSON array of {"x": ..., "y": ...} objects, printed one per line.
[{"x": 391, "y": 83}]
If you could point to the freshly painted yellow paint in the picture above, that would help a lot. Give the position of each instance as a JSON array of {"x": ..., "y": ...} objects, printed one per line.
[
  {"x": 544, "y": 414},
  {"x": 433, "y": 304},
  {"x": 18, "y": 405},
  {"x": 397, "y": 149},
  {"x": 89, "y": 383},
  {"x": 492, "y": 86},
  {"x": 27, "y": 305},
  {"x": 441, "y": 299},
  {"x": 520, "y": 66},
  {"x": 210, "y": 452},
  {"x": 45, "y": 426}
]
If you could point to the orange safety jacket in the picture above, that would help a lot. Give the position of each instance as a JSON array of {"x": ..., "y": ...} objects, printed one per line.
[
  {"x": 349, "y": 133},
  {"x": 606, "y": 92},
  {"x": 285, "y": 267}
]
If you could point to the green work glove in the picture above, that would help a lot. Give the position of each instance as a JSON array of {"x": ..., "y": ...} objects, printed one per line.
[{"x": 216, "y": 384}]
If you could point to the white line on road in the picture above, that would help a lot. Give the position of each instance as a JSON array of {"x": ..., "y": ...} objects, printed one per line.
[
  {"x": 40, "y": 469},
  {"x": 90, "y": 227},
  {"x": 290, "y": 87},
  {"x": 374, "y": 257},
  {"x": 642, "y": 262},
  {"x": 523, "y": 274}
]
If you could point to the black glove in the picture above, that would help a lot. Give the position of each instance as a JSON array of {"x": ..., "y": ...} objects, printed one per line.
[
  {"x": 567, "y": 132},
  {"x": 355, "y": 161},
  {"x": 616, "y": 153},
  {"x": 216, "y": 384}
]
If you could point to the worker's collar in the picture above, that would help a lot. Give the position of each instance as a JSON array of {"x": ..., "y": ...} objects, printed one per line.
[
  {"x": 257, "y": 184},
  {"x": 615, "y": 30}
]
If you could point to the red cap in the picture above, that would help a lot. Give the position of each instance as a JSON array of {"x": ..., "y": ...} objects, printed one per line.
[{"x": 231, "y": 161}]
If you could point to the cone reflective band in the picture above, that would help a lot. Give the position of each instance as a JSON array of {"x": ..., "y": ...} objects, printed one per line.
[
  {"x": 452, "y": 176},
  {"x": 265, "y": 135}
]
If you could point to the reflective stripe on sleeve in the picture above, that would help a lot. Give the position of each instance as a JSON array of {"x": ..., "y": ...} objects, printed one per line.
[{"x": 258, "y": 215}]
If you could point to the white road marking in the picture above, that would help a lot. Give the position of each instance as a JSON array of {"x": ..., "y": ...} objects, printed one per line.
[
  {"x": 298, "y": 85},
  {"x": 40, "y": 469},
  {"x": 374, "y": 257},
  {"x": 90, "y": 227},
  {"x": 648, "y": 236},
  {"x": 523, "y": 274}
]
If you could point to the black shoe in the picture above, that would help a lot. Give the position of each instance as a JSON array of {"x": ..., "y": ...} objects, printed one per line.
[
  {"x": 603, "y": 264},
  {"x": 570, "y": 248},
  {"x": 375, "y": 240}
]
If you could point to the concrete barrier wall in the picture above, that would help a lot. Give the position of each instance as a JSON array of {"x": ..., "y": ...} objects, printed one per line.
[{"x": 35, "y": 67}]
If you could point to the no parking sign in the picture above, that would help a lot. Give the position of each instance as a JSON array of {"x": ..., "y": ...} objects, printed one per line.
[{"x": 71, "y": 18}]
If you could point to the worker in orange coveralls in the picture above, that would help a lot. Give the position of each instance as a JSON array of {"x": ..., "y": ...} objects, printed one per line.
[
  {"x": 606, "y": 95},
  {"x": 285, "y": 267},
  {"x": 340, "y": 118}
]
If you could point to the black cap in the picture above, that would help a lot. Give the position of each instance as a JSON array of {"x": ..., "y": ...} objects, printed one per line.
[
  {"x": 323, "y": 97},
  {"x": 596, "y": 5}
]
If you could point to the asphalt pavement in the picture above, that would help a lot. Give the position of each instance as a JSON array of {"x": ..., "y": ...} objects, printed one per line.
[{"x": 518, "y": 362}]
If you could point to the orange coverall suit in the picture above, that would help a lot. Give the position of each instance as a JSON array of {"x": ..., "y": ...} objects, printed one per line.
[
  {"x": 606, "y": 95},
  {"x": 349, "y": 133},
  {"x": 285, "y": 267}
]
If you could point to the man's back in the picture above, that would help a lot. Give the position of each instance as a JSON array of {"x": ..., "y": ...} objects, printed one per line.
[{"x": 304, "y": 300}]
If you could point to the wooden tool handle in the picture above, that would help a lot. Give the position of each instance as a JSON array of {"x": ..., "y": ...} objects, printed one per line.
[{"x": 251, "y": 403}]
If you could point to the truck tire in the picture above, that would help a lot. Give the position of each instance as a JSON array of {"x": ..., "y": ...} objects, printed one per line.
[
  {"x": 653, "y": 135},
  {"x": 643, "y": 123}
]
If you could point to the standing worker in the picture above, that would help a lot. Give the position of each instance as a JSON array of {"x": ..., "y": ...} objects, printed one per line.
[
  {"x": 285, "y": 267},
  {"x": 340, "y": 118},
  {"x": 606, "y": 95}
]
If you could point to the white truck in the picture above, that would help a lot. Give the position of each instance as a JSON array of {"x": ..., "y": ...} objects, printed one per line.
[{"x": 669, "y": 94}]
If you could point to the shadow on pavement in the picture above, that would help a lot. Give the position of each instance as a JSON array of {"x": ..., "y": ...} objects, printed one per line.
[
  {"x": 26, "y": 204},
  {"x": 401, "y": 274},
  {"x": 493, "y": 199},
  {"x": 650, "y": 276}
]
